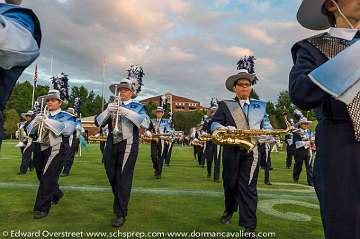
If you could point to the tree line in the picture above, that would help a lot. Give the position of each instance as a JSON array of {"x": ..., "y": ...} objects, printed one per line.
[{"x": 91, "y": 104}]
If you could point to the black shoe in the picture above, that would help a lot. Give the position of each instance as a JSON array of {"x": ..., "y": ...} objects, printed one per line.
[
  {"x": 56, "y": 199},
  {"x": 209, "y": 175},
  {"x": 64, "y": 175},
  {"x": 39, "y": 214},
  {"x": 118, "y": 222},
  {"x": 271, "y": 168},
  {"x": 217, "y": 180},
  {"x": 20, "y": 173},
  {"x": 225, "y": 218},
  {"x": 311, "y": 184},
  {"x": 268, "y": 183},
  {"x": 250, "y": 233},
  {"x": 158, "y": 177},
  {"x": 296, "y": 181}
]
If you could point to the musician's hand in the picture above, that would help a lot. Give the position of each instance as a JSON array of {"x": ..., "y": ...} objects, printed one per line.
[
  {"x": 39, "y": 118},
  {"x": 148, "y": 133},
  {"x": 112, "y": 107},
  {"x": 231, "y": 128},
  {"x": 122, "y": 111}
]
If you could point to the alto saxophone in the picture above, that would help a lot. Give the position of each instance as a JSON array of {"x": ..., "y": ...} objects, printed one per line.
[{"x": 244, "y": 137}]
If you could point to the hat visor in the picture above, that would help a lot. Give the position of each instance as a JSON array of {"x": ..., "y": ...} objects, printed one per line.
[
  {"x": 311, "y": 17},
  {"x": 23, "y": 115},
  {"x": 72, "y": 112},
  {"x": 117, "y": 87},
  {"x": 232, "y": 80},
  {"x": 47, "y": 97}
]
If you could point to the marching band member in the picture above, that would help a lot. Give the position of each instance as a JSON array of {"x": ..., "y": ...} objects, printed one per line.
[
  {"x": 26, "y": 144},
  {"x": 74, "y": 141},
  {"x": 200, "y": 149},
  {"x": 212, "y": 151},
  {"x": 124, "y": 117},
  {"x": 240, "y": 167},
  {"x": 159, "y": 148},
  {"x": 337, "y": 161},
  {"x": 52, "y": 130},
  {"x": 302, "y": 138},
  {"x": 20, "y": 46},
  {"x": 265, "y": 158},
  {"x": 171, "y": 142},
  {"x": 290, "y": 146},
  {"x": 192, "y": 137}
]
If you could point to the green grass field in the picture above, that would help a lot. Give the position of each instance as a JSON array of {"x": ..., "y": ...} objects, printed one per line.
[{"x": 184, "y": 199}]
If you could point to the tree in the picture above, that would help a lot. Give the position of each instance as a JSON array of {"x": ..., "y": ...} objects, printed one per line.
[
  {"x": 90, "y": 102},
  {"x": 11, "y": 119},
  {"x": 20, "y": 99},
  {"x": 283, "y": 105},
  {"x": 150, "y": 108},
  {"x": 184, "y": 121},
  {"x": 254, "y": 95}
]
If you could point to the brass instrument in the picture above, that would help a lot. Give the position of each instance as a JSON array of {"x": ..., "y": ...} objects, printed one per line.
[
  {"x": 197, "y": 142},
  {"x": 156, "y": 137},
  {"x": 243, "y": 137},
  {"x": 205, "y": 138},
  {"x": 93, "y": 138},
  {"x": 45, "y": 114},
  {"x": 117, "y": 98}
]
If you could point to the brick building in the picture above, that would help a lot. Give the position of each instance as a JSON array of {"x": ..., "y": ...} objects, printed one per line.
[{"x": 177, "y": 103}]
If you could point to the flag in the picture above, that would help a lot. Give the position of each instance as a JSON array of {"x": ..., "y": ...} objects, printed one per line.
[{"x": 35, "y": 75}]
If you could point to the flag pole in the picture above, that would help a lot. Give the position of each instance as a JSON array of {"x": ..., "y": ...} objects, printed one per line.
[
  {"x": 51, "y": 66},
  {"x": 34, "y": 85},
  {"x": 80, "y": 140},
  {"x": 103, "y": 82}
]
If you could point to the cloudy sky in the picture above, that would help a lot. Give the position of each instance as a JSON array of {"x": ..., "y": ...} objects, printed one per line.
[{"x": 185, "y": 47}]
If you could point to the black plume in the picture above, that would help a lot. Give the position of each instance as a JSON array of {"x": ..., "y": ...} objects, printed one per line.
[
  {"x": 36, "y": 108},
  {"x": 298, "y": 115},
  {"x": 77, "y": 104},
  {"x": 61, "y": 83},
  {"x": 213, "y": 103},
  {"x": 247, "y": 63},
  {"x": 135, "y": 74}
]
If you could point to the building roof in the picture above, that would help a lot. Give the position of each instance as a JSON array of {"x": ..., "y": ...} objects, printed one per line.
[{"x": 175, "y": 98}]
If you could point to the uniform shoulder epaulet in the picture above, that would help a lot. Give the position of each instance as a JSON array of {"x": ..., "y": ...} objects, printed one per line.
[
  {"x": 328, "y": 45},
  {"x": 229, "y": 100},
  {"x": 67, "y": 115}
]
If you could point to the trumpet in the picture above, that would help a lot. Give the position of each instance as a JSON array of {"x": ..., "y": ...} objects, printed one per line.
[
  {"x": 243, "y": 138},
  {"x": 44, "y": 113},
  {"x": 118, "y": 100}
]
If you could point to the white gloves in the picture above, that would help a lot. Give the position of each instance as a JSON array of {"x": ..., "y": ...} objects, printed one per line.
[
  {"x": 112, "y": 107},
  {"x": 148, "y": 133},
  {"x": 231, "y": 128}
]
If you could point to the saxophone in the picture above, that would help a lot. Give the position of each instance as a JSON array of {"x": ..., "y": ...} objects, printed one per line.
[
  {"x": 245, "y": 137},
  {"x": 205, "y": 138},
  {"x": 197, "y": 142},
  {"x": 100, "y": 138},
  {"x": 156, "y": 137}
]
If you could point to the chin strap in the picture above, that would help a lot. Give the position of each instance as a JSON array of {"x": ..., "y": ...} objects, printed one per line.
[{"x": 343, "y": 15}]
